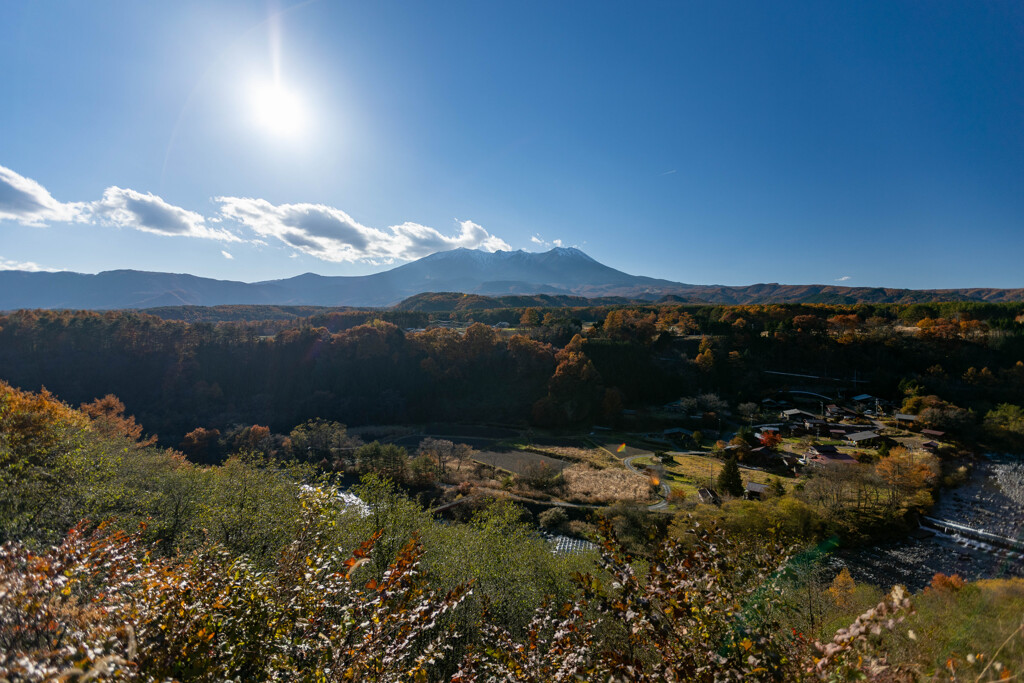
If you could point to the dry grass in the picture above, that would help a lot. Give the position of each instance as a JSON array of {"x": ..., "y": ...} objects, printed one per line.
[
  {"x": 595, "y": 457},
  {"x": 584, "y": 484},
  {"x": 690, "y": 472}
]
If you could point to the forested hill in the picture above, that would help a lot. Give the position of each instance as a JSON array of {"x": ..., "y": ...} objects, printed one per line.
[
  {"x": 443, "y": 302},
  {"x": 364, "y": 368},
  {"x": 831, "y": 294}
]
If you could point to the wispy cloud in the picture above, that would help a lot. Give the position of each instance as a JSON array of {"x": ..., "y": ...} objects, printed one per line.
[
  {"x": 541, "y": 242},
  {"x": 7, "y": 264},
  {"x": 669, "y": 172},
  {"x": 149, "y": 213},
  {"x": 324, "y": 232},
  {"x": 330, "y": 234},
  {"x": 27, "y": 202},
  {"x": 227, "y": 255},
  {"x": 843, "y": 278}
]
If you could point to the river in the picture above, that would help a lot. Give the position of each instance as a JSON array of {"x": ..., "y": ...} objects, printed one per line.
[{"x": 991, "y": 501}]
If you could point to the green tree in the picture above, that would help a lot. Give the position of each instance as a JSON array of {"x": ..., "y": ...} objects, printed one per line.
[
  {"x": 553, "y": 518},
  {"x": 729, "y": 479},
  {"x": 318, "y": 439},
  {"x": 1005, "y": 423},
  {"x": 388, "y": 459}
]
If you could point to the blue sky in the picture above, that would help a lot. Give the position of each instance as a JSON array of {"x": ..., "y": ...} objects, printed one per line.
[{"x": 867, "y": 143}]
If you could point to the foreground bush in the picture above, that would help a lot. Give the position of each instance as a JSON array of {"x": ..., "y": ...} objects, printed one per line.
[{"x": 101, "y": 607}]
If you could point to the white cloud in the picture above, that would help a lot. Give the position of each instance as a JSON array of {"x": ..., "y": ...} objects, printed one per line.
[
  {"x": 227, "y": 255},
  {"x": 843, "y": 278},
  {"x": 29, "y": 203},
  {"x": 318, "y": 230},
  {"x": 7, "y": 264},
  {"x": 146, "y": 212},
  {"x": 330, "y": 234},
  {"x": 539, "y": 241}
]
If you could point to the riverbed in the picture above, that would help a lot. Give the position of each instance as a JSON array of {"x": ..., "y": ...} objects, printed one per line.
[{"x": 991, "y": 501}]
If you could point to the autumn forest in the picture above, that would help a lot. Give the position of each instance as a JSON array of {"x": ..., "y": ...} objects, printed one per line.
[{"x": 609, "y": 492}]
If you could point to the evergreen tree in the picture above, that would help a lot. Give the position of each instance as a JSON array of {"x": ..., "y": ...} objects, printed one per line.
[{"x": 729, "y": 479}]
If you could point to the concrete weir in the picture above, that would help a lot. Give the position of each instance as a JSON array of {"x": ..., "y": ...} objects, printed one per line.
[{"x": 983, "y": 538}]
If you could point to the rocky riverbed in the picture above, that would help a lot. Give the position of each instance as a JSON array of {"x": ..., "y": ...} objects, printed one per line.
[{"x": 992, "y": 501}]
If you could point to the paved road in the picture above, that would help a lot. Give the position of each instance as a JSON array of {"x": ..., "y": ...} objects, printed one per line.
[{"x": 665, "y": 488}]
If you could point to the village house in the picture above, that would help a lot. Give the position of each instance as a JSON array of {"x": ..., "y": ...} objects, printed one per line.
[
  {"x": 827, "y": 455},
  {"x": 797, "y": 415},
  {"x": 755, "y": 491},
  {"x": 862, "y": 438},
  {"x": 708, "y": 497}
]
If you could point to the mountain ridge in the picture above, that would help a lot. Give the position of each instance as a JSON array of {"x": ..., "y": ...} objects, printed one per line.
[{"x": 562, "y": 271}]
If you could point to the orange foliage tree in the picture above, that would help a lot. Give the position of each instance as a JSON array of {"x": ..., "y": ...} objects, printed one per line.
[
  {"x": 108, "y": 418},
  {"x": 906, "y": 472}
]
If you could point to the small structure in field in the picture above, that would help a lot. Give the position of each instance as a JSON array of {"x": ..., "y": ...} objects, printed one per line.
[
  {"x": 755, "y": 491},
  {"x": 708, "y": 497}
]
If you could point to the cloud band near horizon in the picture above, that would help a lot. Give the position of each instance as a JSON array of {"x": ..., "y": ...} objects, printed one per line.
[{"x": 321, "y": 231}]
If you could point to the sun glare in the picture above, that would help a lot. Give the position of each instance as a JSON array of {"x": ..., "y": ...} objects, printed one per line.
[{"x": 277, "y": 110}]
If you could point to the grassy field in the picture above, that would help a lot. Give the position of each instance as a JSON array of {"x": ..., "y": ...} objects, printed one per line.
[
  {"x": 580, "y": 453},
  {"x": 691, "y": 472},
  {"x": 620, "y": 449}
]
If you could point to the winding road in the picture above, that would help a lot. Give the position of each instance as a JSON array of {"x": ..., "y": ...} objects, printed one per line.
[{"x": 665, "y": 488}]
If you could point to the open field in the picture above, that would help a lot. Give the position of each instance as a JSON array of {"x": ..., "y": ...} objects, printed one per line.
[
  {"x": 619, "y": 449},
  {"x": 519, "y": 462},
  {"x": 585, "y": 484},
  {"x": 691, "y": 472},
  {"x": 595, "y": 457}
]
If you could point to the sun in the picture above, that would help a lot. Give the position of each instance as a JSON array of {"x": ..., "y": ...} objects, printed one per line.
[{"x": 277, "y": 110}]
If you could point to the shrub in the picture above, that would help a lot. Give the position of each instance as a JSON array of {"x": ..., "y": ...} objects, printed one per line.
[{"x": 553, "y": 518}]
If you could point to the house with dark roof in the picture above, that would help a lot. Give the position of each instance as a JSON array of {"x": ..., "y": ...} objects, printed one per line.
[
  {"x": 755, "y": 491},
  {"x": 796, "y": 415},
  {"x": 862, "y": 438},
  {"x": 708, "y": 497},
  {"x": 816, "y": 426},
  {"x": 827, "y": 455}
]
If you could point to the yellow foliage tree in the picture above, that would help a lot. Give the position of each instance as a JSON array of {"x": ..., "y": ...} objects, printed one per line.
[
  {"x": 841, "y": 589},
  {"x": 906, "y": 472}
]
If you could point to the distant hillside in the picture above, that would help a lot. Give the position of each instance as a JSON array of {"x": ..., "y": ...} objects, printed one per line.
[
  {"x": 239, "y": 313},
  {"x": 442, "y": 302},
  {"x": 831, "y": 294},
  {"x": 567, "y": 276}
]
